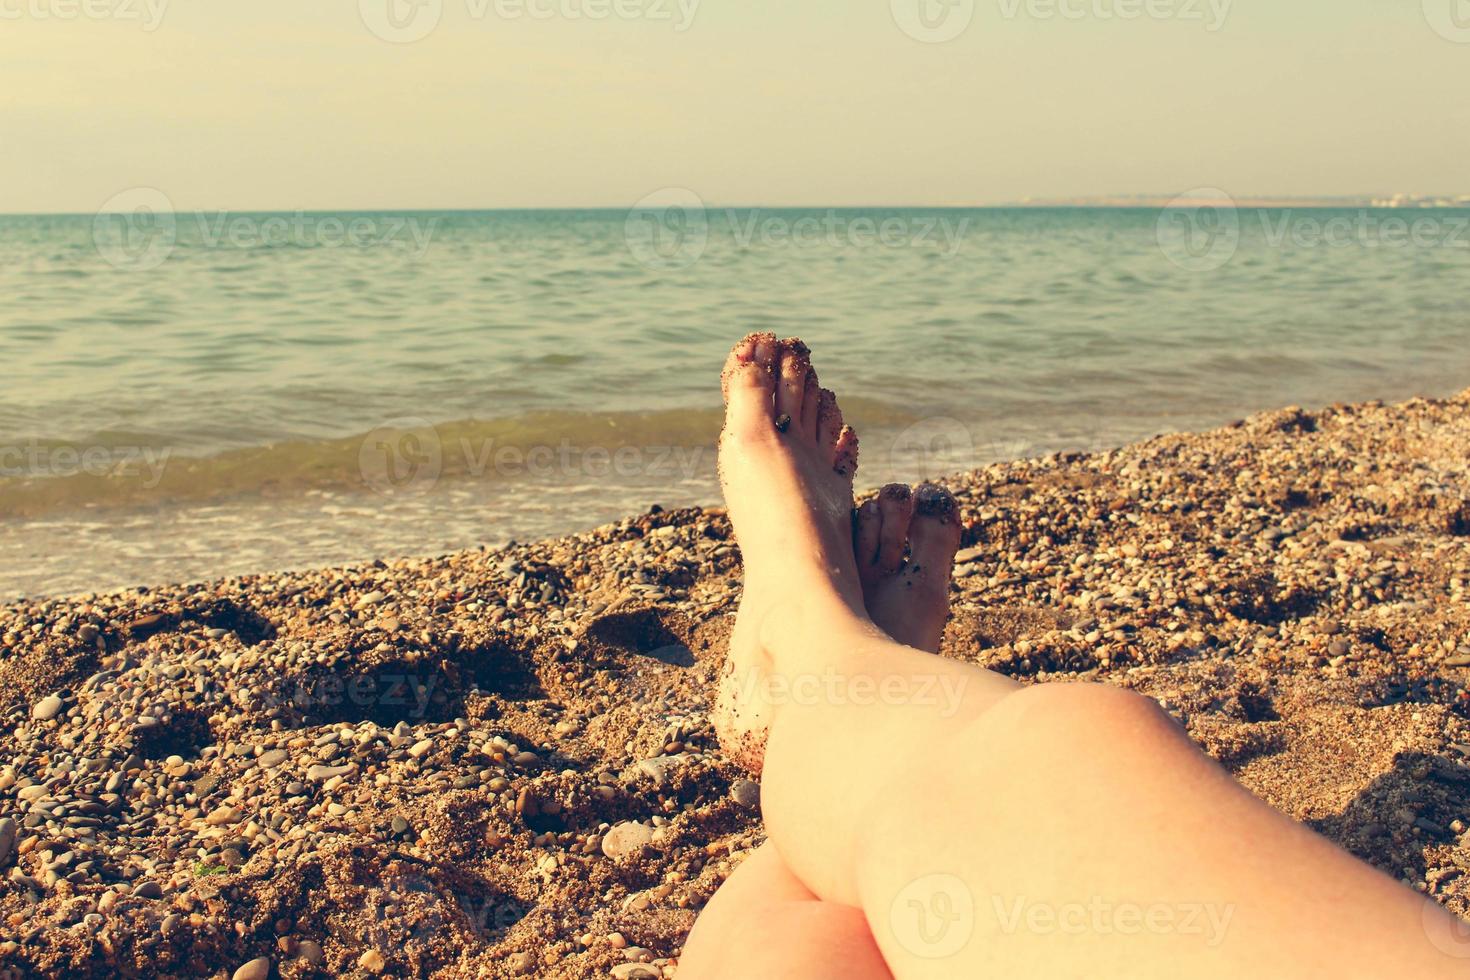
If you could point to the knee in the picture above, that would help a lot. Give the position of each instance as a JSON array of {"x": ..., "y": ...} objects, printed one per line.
[{"x": 1080, "y": 715}]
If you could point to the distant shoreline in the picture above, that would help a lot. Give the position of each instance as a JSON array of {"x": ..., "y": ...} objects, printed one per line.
[{"x": 1150, "y": 202}]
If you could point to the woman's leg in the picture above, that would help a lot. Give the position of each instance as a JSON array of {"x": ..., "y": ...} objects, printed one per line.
[
  {"x": 763, "y": 922},
  {"x": 983, "y": 829}
]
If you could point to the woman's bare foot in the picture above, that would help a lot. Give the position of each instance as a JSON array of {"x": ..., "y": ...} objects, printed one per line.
[
  {"x": 906, "y": 542},
  {"x": 786, "y": 466}
]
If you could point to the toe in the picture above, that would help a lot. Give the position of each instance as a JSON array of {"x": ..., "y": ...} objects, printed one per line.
[
  {"x": 811, "y": 405},
  {"x": 795, "y": 366},
  {"x": 748, "y": 383},
  {"x": 866, "y": 533},
  {"x": 867, "y": 525},
  {"x": 829, "y": 419},
  {"x": 896, "y": 504},
  {"x": 934, "y": 533},
  {"x": 845, "y": 453}
]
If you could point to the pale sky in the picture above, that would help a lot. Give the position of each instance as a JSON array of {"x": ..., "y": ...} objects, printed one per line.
[{"x": 287, "y": 104}]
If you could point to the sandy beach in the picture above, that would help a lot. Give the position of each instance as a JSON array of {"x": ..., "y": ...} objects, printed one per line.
[{"x": 500, "y": 763}]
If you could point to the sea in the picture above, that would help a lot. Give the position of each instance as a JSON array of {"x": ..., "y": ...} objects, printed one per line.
[{"x": 191, "y": 395}]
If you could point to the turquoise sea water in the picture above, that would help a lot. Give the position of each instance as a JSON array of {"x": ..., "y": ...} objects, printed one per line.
[{"x": 188, "y": 395}]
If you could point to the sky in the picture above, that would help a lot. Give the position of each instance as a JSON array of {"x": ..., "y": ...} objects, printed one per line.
[{"x": 335, "y": 104}]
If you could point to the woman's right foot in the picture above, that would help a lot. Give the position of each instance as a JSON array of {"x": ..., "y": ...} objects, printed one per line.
[
  {"x": 905, "y": 542},
  {"x": 786, "y": 466},
  {"x": 812, "y": 569}
]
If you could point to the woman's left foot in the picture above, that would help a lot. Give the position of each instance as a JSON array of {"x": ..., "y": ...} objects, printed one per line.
[{"x": 905, "y": 541}]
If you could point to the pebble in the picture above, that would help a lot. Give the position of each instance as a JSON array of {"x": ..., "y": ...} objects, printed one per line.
[
  {"x": 372, "y": 961},
  {"x": 746, "y": 792},
  {"x": 148, "y": 889},
  {"x": 318, "y": 773},
  {"x": 636, "y": 971},
  {"x": 421, "y": 748},
  {"x": 8, "y": 830},
  {"x": 47, "y": 708},
  {"x": 257, "y": 969},
  {"x": 627, "y": 839},
  {"x": 272, "y": 758}
]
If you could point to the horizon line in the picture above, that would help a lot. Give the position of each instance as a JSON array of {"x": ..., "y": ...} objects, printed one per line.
[{"x": 1102, "y": 201}]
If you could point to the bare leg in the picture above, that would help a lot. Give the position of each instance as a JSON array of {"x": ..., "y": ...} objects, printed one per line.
[
  {"x": 763, "y": 922},
  {"x": 1063, "y": 830}
]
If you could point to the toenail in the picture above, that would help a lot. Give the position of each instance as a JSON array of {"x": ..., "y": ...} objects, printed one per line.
[
  {"x": 934, "y": 501},
  {"x": 897, "y": 492},
  {"x": 783, "y": 422}
]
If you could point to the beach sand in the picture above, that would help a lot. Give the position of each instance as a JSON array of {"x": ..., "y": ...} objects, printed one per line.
[{"x": 500, "y": 763}]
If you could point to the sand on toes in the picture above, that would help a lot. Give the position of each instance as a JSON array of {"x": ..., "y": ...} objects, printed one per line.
[
  {"x": 905, "y": 542},
  {"x": 787, "y": 460}
]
